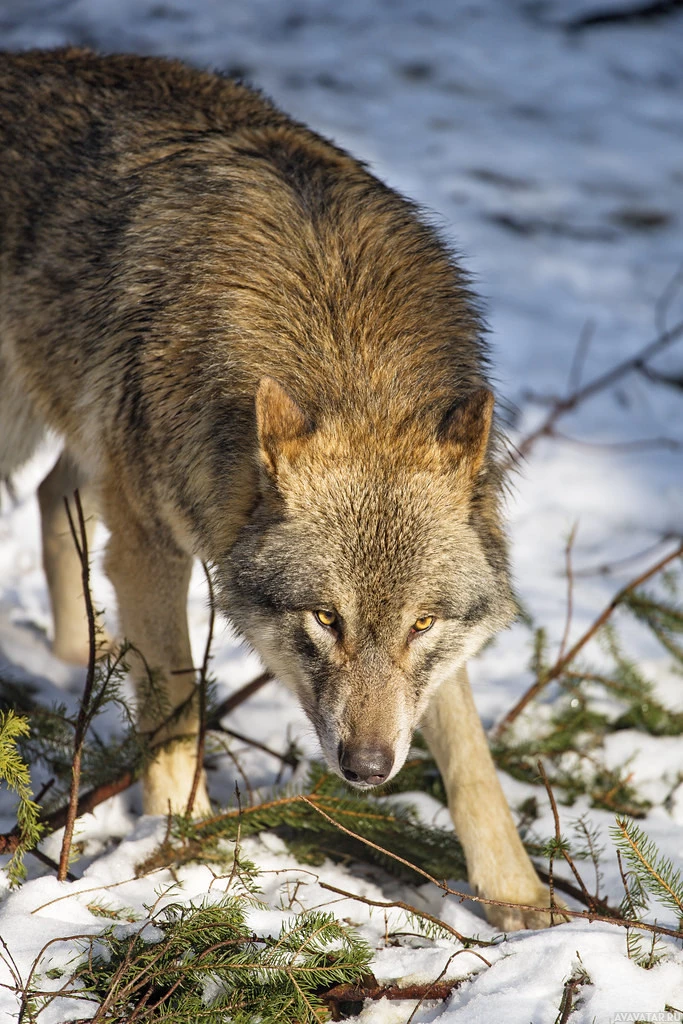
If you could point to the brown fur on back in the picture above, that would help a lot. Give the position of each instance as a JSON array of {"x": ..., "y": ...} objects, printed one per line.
[{"x": 178, "y": 225}]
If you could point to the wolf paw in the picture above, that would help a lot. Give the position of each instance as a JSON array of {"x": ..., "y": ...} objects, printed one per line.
[{"x": 513, "y": 919}]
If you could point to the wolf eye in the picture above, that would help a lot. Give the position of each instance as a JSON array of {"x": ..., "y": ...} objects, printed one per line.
[
  {"x": 422, "y": 624},
  {"x": 325, "y": 618}
]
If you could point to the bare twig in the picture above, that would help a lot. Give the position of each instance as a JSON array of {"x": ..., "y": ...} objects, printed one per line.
[
  {"x": 606, "y": 568},
  {"x": 580, "y": 353},
  {"x": 287, "y": 759},
  {"x": 561, "y": 406},
  {"x": 202, "y": 685},
  {"x": 409, "y": 909},
  {"x": 238, "y": 697},
  {"x": 587, "y": 899},
  {"x": 570, "y": 589},
  {"x": 371, "y": 989},
  {"x": 558, "y": 840},
  {"x": 671, "y": 444},
  {"x": 567, "y": 1001},
  {"x": 562, "y": 663},
  {"x": 433, "y": 987},
  {"x": 80, "y": 539},
  {"x": 585, "y": 915}
]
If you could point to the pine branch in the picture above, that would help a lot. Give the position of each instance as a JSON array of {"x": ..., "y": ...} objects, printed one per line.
[
  {"x": 16, "y": 775},
  {"x": 562, "y": 663},
  {"x": 656, "y": 873}
]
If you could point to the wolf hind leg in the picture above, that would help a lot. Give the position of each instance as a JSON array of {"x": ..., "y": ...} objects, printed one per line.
[
  {"x": 151, "y": 576},
  {"x": 498, "y": 866},
  {"x": 61, "y": 560}
]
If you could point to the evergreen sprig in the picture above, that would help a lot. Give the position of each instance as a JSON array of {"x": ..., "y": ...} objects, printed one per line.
[
  {"x": 15, "y": 773},
  {"x": 655, "y": 873},
  {"x": 205, "y": 963},
  {"x": 311, "y": 837}
]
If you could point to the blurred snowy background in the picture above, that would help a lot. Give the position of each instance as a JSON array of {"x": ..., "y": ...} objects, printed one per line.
[{"x": 546, "y": 139}]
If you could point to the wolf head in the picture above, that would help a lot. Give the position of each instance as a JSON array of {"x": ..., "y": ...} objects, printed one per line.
[{"x": 372, "y": 567}]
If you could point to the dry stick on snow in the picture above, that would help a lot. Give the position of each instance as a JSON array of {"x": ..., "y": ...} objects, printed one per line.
[
  {"x": 585, "y": 915},
  {"x": 371, "y": 989},
  {"x": 567, "y": 1001},
  {"x": 566, "y": 659},
  {"x": 202, "y": 685},
  {"x": 409, "y": 909},
  {"x": 432, "y": 988},
  {"x": 80, "y": 539}
]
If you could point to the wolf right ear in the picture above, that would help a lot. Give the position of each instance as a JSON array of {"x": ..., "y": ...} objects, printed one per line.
[
  {"x": 465, "y": 430},
  {"x": 280, "y": 423}
]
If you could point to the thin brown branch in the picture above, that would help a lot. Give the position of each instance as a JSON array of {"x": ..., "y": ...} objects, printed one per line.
[
  {"x": 567, "y": 1001},
  {"x": 409, "y": 909},
  {"x": 576, "y": 893},
  {"x": 9, "y": 841},
  {"x": 239, "y": 697},
  {"x": 561, "y": 406},
  {"x": 639, "y": 444},
  {"x": 585, "y": 915},
  {"x": 558, "y": 839},
  {"x": 433, "y": 987},
  {"x": 288, "y": 759},
  {"x": 202, "y": 686},
  {"x": 570, "y": 589},
  {"x": 371, "y": 989},
  {"x": 80, "y": 539},
  {"x": 606, "y": 568},
  {"x": 562, "y": 663},
  {"x": 586, "y": 897}
]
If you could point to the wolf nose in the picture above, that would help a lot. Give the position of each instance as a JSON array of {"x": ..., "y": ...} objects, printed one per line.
[{"x": 369, "y": 765}]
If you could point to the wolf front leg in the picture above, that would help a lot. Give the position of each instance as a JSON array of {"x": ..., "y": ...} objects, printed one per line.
[
  {"x": 61, "y": 560},
  {"x": 498, "y": 866},
  {"x": 151, "y": 576}
]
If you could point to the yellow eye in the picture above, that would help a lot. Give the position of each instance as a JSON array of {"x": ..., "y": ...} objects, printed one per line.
[
  {"x": 423, "y": 624},
  {"x": 325, "y": 618}
]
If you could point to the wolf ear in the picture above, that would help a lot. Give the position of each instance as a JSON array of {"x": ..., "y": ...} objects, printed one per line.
[
  {"x": 280, "y": 423},
  {"x": 465, "y": 430}
]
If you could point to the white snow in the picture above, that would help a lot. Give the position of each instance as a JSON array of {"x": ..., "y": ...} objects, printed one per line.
[{"x": 544, "y": 155}]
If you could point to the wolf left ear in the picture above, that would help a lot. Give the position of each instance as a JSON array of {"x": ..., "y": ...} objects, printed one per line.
[
  {"x": 465, "y": 430},
  {"x": 280, "y": 423}
]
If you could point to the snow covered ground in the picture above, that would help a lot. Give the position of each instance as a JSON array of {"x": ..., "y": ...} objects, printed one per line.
[{"x": 553, "y": 159}]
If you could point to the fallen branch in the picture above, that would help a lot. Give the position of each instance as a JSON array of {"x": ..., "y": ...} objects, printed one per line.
[
  {"x": 371, "y": 989},
  {"x": 408, "y": 908},
  {"x": 586, "y": 915},
  {"x": 561, "y": 664}
]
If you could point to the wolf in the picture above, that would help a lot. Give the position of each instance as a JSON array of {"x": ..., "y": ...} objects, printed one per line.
[{"x": 257, "y": 354}]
